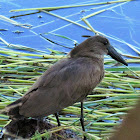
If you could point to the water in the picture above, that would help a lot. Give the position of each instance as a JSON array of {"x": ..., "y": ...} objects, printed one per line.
[{"x": 120, "y": 23}]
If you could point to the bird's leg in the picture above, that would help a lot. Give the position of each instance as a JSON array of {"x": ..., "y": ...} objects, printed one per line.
[
  {"x": 39, "y": 119},
  {"x": 82, "y": 120},
  {"x": 57, "y": 118}
]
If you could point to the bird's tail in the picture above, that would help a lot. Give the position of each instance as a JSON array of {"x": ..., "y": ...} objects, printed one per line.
[
  {"x": 3, "y": 111},
  {"x": 12, "y": 109}
]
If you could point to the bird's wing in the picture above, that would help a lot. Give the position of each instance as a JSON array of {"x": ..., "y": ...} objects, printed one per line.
[
  {"x": 47, "y": 76},
  {"x": 62, "y": 85}
]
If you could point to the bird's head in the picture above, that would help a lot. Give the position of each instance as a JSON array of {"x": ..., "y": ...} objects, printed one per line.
[{"x": 96, "y": 46}]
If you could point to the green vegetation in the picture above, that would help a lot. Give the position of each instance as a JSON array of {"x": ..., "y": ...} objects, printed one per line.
[{"x": 103, "y": 108}]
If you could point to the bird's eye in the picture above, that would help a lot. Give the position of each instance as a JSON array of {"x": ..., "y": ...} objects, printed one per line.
[{"x": 106, "y": 42}]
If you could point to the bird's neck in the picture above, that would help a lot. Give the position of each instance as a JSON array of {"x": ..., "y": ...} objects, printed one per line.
[
  {"x": 93, "y": 56},
  {"x": 96, "y": 58}
]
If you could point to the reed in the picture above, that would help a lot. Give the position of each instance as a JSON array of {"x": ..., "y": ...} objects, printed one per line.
[{"x": 103, "y": 109}]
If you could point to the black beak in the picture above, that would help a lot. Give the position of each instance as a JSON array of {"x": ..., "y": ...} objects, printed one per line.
[{"x": 115, "y": 55}]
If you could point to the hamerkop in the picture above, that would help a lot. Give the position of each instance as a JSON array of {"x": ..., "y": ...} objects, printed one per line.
[{"x": 66, "y": 82}]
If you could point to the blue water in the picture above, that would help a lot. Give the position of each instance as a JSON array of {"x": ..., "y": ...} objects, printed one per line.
[{"x": 120, "y": 23}]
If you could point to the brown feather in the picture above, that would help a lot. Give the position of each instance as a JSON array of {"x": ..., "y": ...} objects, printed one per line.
[
  {"x": 62, "y": 88},
  {"x": 66, "y": 82}
]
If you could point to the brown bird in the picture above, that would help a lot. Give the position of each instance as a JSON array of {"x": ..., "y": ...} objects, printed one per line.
[{"x": 66, "y": 82}]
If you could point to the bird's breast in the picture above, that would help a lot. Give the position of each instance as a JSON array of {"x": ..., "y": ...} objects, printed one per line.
[
  {"x": 97, "y": 75},
  {"x": 92, "y": 76}
]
